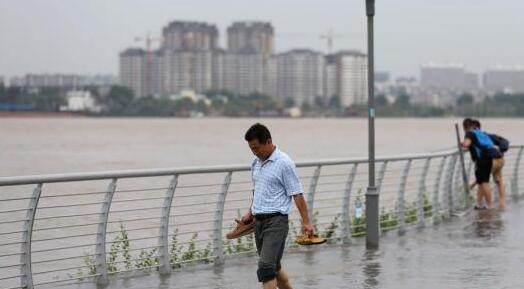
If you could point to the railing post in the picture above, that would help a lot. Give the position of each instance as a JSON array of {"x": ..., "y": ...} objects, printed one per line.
[
  {"x": 219, "y": 216},
  {"x": 25, "y": 257},
  {"x": 164, "y": 258},
  {"x": 470, "y": 169},
  {"x": 346, "y": 219},
  {"x": 380, "y": 179},
  {"x": 312, "y": 190},
  {"x": 100, "y": 259},
  {"x": 421, "y": 194},
  {"x": 515, "y": 178},
  {"x": 458, "y": 186},
  {"x": 449, "y": 181},
  {"x": 381, "y": 175},
  {"x": 401, "y": 208},
  {"x": 436, "y": 191}
]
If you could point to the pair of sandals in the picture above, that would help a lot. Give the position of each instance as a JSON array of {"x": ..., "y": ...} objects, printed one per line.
[
  {"x": 243, "y": 229},
  {"x": 309, "y": 239}
]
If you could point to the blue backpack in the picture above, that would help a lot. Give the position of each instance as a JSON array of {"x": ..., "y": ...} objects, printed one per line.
[{"x": 485, "y": 145}]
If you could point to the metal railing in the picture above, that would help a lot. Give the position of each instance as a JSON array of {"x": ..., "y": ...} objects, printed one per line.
[{"x": 84, "y": 226}]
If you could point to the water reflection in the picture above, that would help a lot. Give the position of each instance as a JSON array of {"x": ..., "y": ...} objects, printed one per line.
[
  {"x": 488, "y": 223},
  {"x": 371, "y": 269},
  {"x": 310, "y": 277}
]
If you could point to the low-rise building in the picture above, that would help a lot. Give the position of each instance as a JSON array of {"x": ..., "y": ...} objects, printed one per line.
[{"x": 81, "y": 101}]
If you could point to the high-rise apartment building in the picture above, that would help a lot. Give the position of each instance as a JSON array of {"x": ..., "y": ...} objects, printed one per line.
[
  {"x": 187, "y": 56},
  {"x": 330, "y": 77},
  {"x": 241, "y": 73},
  {"x": 190, "y": 35},
  {"x": 186, "y": 70},
  {"x": 270, "y": 83},
  {"x": 510, "y": 79},
  {"x": 132, "y": 70},
  {"x": 300, "y": 76},
  {"x": 251, "y": 37},
  {"x": 352, "y": 77},
  {"x": 247, "y": 66}
]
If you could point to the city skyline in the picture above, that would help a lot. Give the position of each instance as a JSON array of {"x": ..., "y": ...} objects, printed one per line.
[
  {"x": 189, "y": 59},
  {"x": 83, "y": 37}
]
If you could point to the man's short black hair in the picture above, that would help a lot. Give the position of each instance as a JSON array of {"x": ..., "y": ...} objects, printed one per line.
[
  {"x": 468, "y": 123},
  {"x": 258, "y": 131},
  {"x": 476, "y": 123}
]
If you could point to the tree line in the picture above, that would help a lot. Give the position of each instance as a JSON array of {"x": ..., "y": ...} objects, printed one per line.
[{"x": 120, "y": 101}]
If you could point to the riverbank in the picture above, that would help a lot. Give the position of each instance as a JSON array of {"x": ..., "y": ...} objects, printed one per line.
[{"x": 39, "y": 114}]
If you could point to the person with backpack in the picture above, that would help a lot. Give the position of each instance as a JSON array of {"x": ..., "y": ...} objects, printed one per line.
[
  {"x": 483, "y": 151},
  {"x": 498, "y": 162}
]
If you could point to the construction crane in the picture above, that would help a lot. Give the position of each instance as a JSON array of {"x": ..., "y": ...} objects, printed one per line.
[
  {"x": 329, "y": 36},
  {"x": 148, "y": 39}
]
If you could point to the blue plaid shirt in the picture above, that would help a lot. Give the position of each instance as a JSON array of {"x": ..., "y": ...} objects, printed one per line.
[{"x": 275, "y": 181}]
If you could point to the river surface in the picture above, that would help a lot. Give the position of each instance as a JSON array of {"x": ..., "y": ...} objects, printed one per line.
[{"x": 32, "y": 146}]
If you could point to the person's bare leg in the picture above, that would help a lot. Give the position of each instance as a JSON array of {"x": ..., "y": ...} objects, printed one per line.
[
  {"x": 486, "y": 193},
  {"x": 480, "y": 194},
  {"x": 271, "y": 284},
  {"x": 502, "y": 195},
  {"x": 283, "y": 280},
  {"x": 496, "y": 172}
]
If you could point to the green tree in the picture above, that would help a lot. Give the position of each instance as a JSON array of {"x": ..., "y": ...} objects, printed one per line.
[
  {"x": 465, "y": 99},
  {"x": 119, "y": 99},
  {"x": 261, "y": 102},
  {"x": 2, "y": 93},
  {"x": 334, "y": 101},
  {"x": 218, "y": 101},
  {"x": 403, "y": 100},
  {"x": 150, "y": 106},
  {"x": 289, "y": 102},
  {"x": 49, "y": 99},
  {"x": 319, "y": 101},
  {"x": 14, "y": 94},
  {"x": 201, "y": 106},
  {"x": 183, "y": 106},
  {"x": 306, "y": 107},
  {"x": 381, "y": 100}
]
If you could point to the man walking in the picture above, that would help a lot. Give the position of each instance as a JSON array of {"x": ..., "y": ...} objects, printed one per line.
[{"x": 275, "y": 183}]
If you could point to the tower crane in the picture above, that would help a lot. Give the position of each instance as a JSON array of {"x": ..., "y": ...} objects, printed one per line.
[
  {"x": 329, "y": 36},
  {"x": 148, "y": 39}
]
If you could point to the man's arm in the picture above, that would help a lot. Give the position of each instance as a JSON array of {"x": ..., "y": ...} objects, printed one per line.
[
  {"x": 466, "y": 143},
  {"x": 300, "y": 202}
]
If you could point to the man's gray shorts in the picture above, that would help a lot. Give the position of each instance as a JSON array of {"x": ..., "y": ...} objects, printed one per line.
[{"x": 270, "y": 236}]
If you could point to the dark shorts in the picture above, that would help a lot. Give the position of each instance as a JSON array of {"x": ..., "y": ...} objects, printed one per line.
[
  {"x": 483, "y": 169},
  {"x": 270, "y": 237}
]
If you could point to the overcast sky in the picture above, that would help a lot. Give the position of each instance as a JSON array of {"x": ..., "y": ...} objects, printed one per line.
[{"x": 85, "y": 36}]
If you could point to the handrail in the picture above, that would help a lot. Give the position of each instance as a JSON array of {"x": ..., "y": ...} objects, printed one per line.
[{"x": 122, "y": 174}]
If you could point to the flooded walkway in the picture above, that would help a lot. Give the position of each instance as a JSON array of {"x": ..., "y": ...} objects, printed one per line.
[{"x": 482, "y": 250}]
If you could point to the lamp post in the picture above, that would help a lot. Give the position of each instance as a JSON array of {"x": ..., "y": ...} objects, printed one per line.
[{"x": 372, "y": 197}]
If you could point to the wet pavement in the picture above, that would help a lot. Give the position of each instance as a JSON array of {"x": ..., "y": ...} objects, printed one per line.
[{"x": 481, "y": 250}]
